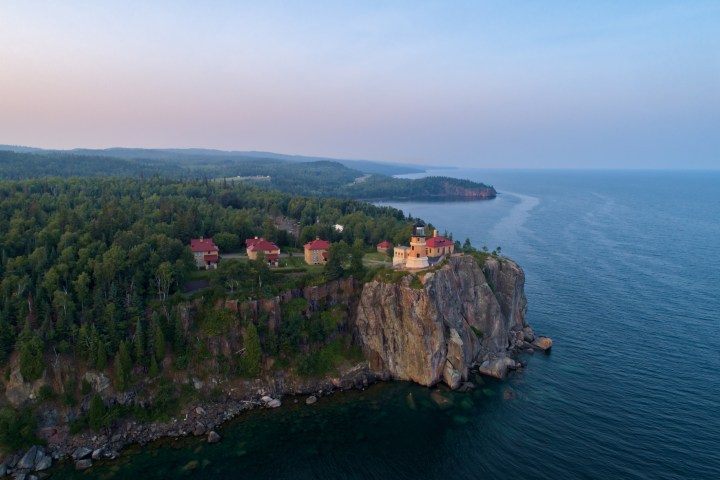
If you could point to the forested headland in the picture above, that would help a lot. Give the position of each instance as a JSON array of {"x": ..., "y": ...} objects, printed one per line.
[{"x": 324, "y": 178}]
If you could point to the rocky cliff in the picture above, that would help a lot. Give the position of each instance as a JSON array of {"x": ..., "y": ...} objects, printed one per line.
[{"x": 462, "y": 315}]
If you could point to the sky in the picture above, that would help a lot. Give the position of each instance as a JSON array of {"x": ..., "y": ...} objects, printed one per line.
[{"x": 488, "y": 84}]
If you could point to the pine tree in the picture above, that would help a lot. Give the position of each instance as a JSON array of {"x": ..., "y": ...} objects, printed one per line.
[
  {"x": 159, "y": 341},
  {"x": 122, "y": 367},
  {"x": 120, "y": 377},
  {"x": 32, "y": 363},
  {"x": 139, "y": 344},
  {"x": 96, "y": 414},
  {"x": 154, "y": 369},
  {"x": 101, "y": 355}
]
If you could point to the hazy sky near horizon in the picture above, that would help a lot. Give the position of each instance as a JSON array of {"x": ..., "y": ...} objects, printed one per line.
[{"x": 472, "y": 83}]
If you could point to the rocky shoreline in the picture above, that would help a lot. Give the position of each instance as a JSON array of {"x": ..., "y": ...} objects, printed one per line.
[{"x": 199, "y": 419}]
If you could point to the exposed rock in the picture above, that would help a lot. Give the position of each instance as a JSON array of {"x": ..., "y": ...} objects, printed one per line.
[
  {"x": 543, "y": 343},
  {"x": 18, "y": 391},
  {"x": 28, "y": 460},
  {"x": 528, "y": 334},
  {"x": 441, "y": 400},
  {"x": 83, "y": 464},
  {"x": 213, "y": 437},
  {"x": 266, "y": 399},
  {"x": 463, "y": 313},
  {"x": 98, "y": 453},
  {"x": 200, "y": 411},
  {"x": 43, "y": 464},
  {"x": 81, "y": 453},
  {"x": 199, "y": 429},
  {"x": 274, "y": 403},
  {"x": 497, "y": 368},
  {"x": 310, "y": 400},
  {"x": 97, "y": 380},
  {"x": 197, "y": 384}
]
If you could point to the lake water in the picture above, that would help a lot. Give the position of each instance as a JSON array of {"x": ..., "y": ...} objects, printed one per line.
[{"x": 622, "y": 271}]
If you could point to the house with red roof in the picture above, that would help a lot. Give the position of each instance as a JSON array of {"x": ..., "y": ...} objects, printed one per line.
[
  {"x": 255, "y": 246},
  {"x": 316, "y": 252},
  {"x": 384, "y": 247},
  {"x": 437, "y": 246},
  {"x": 205, "y": 252}
]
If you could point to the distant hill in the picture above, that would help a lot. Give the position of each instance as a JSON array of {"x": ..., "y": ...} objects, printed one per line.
[
  {"x": 204, "y": 156},
  {"x": 299, "y": 175}
]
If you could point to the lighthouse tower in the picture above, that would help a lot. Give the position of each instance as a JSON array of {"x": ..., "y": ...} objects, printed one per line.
[{"x": 417, "y": 257}]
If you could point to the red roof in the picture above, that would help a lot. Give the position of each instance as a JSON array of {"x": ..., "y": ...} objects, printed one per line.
[
  {"x": 384, "y": 244},
  {"x": 438, "y": 242},
  {"x": 203, "y": 245},
  {"x": 317, "y": 245},
  {"x": 251, "y": 241},
  {"x": 210, "y": 258},
  {"x": 262, "y": 245}
]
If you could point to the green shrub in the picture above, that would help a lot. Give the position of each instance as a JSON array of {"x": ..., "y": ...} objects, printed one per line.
[
  {"x": 17, "y": 429},
  {"x": 46, "y": 393}
]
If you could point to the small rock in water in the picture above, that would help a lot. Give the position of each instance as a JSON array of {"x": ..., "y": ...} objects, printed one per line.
[
  {"x": 411, "y": 402},
  {"x": 190, "y": 466},
  {"x": 213, "y": 437},
  {"x": 441, "y": 400},
  {"x": 83, "y": 464},
  {"x": 274, "y": 403},
  {"x": 543, "y": 343},
  {"x": 508, "y": 394},
  {"x": 310, "y": 400}
]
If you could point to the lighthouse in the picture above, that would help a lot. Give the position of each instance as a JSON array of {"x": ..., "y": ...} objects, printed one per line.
[{"x": 417, "y": 257}]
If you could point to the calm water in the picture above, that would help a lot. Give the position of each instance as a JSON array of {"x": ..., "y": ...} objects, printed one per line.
[{"x": 623, "y": 272}]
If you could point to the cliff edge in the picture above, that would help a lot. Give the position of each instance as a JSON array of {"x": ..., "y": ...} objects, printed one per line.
[{"x": 461, "y": 315}]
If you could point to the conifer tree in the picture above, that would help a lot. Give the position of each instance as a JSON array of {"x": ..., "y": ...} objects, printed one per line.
[
  {"x": 139, "y": 344},
  {"x": 96, "y": 414},
  {"x": 101, "y": 354}
]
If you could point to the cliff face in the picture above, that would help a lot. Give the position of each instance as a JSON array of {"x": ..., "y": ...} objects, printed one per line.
[{"x": 464, "y": 315}]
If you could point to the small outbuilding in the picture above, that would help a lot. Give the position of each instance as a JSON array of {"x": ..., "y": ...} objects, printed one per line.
[{"x": 384, "y": 247}]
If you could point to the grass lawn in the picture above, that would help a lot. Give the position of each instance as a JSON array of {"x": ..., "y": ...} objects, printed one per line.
[{"x": 378, "y": 256}]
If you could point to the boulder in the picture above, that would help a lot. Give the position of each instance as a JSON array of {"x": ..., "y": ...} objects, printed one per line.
[
  {"x": 543, "y": 343},
  {"x": 451, "y": 377},
  {"x": 200, "y": 411},
  {"x": 441, "y": 400},
  {"x": 197, "y": 383},
  {"x": 83, "y": 464},
  {"x": 40, "y": 457},
  {"x": 43, "y": 464},
  {"x": 274, "y": 403},
  {"x": 213, "y": 437},
  {"x": 266, "y": 399},
  {"x": 310, "y": 400},
  {"x": 97, "y": 380},
  {"x": 28, "y": 460},
  {"x": 81, "y": 453},
  {"x": 497, "y": 368},
  {"x": 98, "y": 453},
  {"x": 199, "y": 429},
  {"x": 528, "y": 334}
]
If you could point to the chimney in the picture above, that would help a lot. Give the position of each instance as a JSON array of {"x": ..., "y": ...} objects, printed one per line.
[{"x": 435, "y": 233}]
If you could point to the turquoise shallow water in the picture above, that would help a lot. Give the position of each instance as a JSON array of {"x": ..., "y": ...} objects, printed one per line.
[{"x": 622, "y": 272}]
